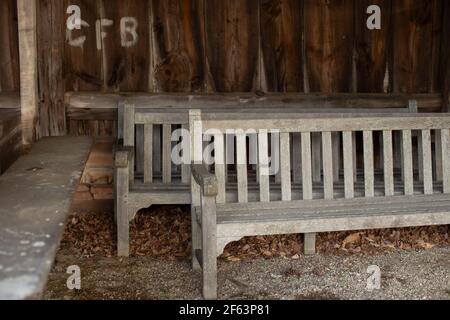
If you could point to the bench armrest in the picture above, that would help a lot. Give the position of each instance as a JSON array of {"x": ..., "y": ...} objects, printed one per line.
[
  {"x": 123, "y": 156},
  {"x": 206, "y": 180}
]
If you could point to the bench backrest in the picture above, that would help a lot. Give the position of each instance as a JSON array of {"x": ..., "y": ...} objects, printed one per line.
[
  {"x": 150, "y": 131},
  {"x": 296, "y": 132}
]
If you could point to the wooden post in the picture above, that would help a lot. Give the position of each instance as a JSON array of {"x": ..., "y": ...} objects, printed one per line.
[{"x": 26, "y": 12}]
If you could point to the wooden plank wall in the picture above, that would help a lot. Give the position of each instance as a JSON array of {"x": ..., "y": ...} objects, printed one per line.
[
  {"x": 240, "y": 46},
  {"x": 9, "y": 47}
]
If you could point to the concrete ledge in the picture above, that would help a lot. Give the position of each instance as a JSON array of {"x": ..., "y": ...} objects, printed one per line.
[{"x": 35, "y": 196}]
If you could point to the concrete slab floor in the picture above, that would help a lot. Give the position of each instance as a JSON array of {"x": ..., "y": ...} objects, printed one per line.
[{"x": 35, "y": 195}]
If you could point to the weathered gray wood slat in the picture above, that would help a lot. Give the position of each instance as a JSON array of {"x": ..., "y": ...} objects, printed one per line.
[
  {"x": 344, "y": 223},
  {"x": 368, "y": 164},
  {"x": 334, "y": 204},
  {"x": 296, "y": 157},
  {"x": 327, "y": 154},
  {"x": 445, "y": 149},
  {"x": 263, "y": 163},
  {"x": 128, "y": 129},
  {"x": 139, "y": 145},
  {"x": 306, "y": 166},
  {"x": 316, "y": 157},
  {"x": 285, "y": 169},
  {"x": 148, "y": 153},
  {"x": 348, "y": 164},
  {"x": 438, "y": 155},
  {"x": 241, "y": 152},
  {"x": 407, "y": 162},
  {"x": 209, "y": 248},
  {"x": 186, "y": 166},
  {"x": 426, "y": 163},
  {"x": 348, "y": 210},
  {"x": 388, "y": 156},
  {"x": 336, "y": 137},
  {"x": 167, "y": 153},
  {"x": 195, "y": 128},
  {"x": 302, "y": 122},
  {"x": 219, "y": 144}
]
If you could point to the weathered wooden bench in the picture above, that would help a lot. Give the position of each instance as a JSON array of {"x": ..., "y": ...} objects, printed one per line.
[
  {"x": 145, "y": 174},
  {"x": 224, "y": 211}
]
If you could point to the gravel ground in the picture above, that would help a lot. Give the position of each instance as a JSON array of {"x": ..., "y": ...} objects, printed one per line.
[{"x": 413, "y": 274}]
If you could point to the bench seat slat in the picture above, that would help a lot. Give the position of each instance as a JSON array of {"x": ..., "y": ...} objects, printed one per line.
[{"x": 282, "y": 213}]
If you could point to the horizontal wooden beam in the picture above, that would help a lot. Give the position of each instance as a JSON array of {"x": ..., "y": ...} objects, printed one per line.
[
  {"x": 9, "y": 100},
  {"x": 98, "y": 106}
]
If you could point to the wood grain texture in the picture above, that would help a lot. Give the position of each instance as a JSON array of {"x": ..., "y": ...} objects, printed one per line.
[
  {"x": 281, "y": 40},
  {"x": 232, "y": 44},
  {"x": 83, "y": 64},
  {"x": 50, "y": 34},
  {"x": 26, "y": 12},
  {"x": 372, "y": 46},
  {"x": 126, "y": 68},
  {"x": 178, "y": 57},
  {"x": 9, "y": 47},
  {"x": 329, "y": 36},
  {"x": 413, "y": 43}
]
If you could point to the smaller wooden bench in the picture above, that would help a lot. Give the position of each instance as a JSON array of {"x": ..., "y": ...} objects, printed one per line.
[{"x": 385, "y": 199}]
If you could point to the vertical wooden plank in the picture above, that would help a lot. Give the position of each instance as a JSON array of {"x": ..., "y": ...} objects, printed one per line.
[
  {"x": 83, "y": 61},
  {"x": 327, "y": 154},
  {"x": 285, "y": 162},
  {"x": 126, "y": 46},
  {"x": 51, "y": 38},
  {"x": 372, "y": 46},
  {"x": 329, "y": 37},
  {"x": 445, "y": 147},
  {"x": 296, "y": 157},
  {"x": 177, "y": 45},
  {"x": 128, "y": 129},
  {"x": 348, "y": 165},
  {"x": 26, "y": 11},
  {"x": 241, "y": 151},
  {"x": 219, "y": 149},
  {"x": 438, "y": 155},
  {"x": 369, "y": 178},
  {"x": 307, "y": 166},
  {"x": 427, "y": 162},
  {"x": 263, "y": 163},
  {"x": 407, "y": 162},
  {"x": 196, "y": 148},
  {"x": 167, "y": 153},
  {"x": 316, "y": 157},
  {"x": 123, "y": 221},
  {"x": 139, "y": 147},
  {"x": 336, "y": 138},
  {"x": 209, "y": 248},
  {"x": 148, "y": 153},
  {"x": 412, "y": 24},
  {"x": 355, "y": 158},
  {"x": 232, "y": 44},
  {"x": 9, "y": 47},
  {"x": 186, "y": 166},
  {"x": 444, "y": 61},
  {"x": 388, "y": 163},
  {"x": 281, "y": 41}
]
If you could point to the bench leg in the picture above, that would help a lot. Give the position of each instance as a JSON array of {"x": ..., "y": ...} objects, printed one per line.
[
  {"x": 310, "y": 243},
  {"x": 196, "y": 241},
  {"x": 209, "y": 248},
  {"x": 123, "y": 221}
]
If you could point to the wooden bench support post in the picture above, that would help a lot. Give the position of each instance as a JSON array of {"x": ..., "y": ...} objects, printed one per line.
[
  {"x": 310, "y": 243},
  {"x": 122, "y": 163}
]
